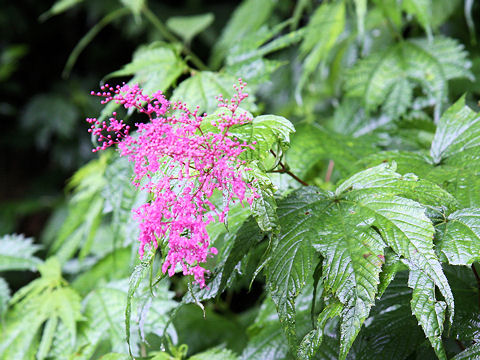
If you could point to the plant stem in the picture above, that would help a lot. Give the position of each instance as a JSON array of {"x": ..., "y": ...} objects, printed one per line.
[
  {"x": 284, "y": 170},
  {"x": 172, "y": 38},
  {"x": 331, "y": 164},
  {"x": 88, "y": 37}
]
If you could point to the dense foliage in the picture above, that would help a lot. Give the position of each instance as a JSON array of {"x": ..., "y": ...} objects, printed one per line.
[{"x": 349, "y": 231}]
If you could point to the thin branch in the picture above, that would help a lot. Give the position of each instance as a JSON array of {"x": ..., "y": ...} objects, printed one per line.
[
  {"x": 331, "y": 164},
  {"x": 284, "y": 170},
  {"x": 163, "y": 30}
]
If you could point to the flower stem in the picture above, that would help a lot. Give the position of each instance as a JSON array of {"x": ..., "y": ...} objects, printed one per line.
[
  {"x": 284, "y": 170},
  {"x": 172, "y": 38}
]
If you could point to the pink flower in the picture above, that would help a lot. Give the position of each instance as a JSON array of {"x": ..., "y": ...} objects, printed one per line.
[{"x": 181, "y": 165}]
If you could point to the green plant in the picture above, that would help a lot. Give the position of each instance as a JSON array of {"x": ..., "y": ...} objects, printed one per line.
[{"x": 363, "y": 238}]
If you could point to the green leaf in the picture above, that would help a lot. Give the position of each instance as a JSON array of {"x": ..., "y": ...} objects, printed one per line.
[
  {"x": 291, "y": 259},
  {"x": 263, "y": 207},
  {"x": 458, "y": 130},
  {"x": 312, "y": 341},
  {"x": 353, "y": 258},
  {"x": 406, "y": 229},
  {"x": 459, "y": 237},
  {"x": 323, "y": 30},
  {"x": 392, "y": 333},
  {"x": 112, "y": 266},
  {"x": 350, "y": 229},
  {"x": 44, "y": 300},
  {"x": 105, "y": 317},
  {"x": 264, "y": 132},
  {"x": 451, "y": 54},
  {"x": 122, "y": 197},
  {"x": 134, "y": 282},
  {"x": 201, "y": 89},
  {"x": 155, "y": 67},
  {"x": 85, "y": 210},
  {"x": 187, "y": 27},
  {"x": 16, "y": 253},
  {"x": 48, "y": 332},
  {"x": 239, "y": 243},
  {"x": 429, "y": 312},
  {"x": 247, "y": 57},
  {"x": 246, "y": 19},
  {"x": 397, "y": 69}
]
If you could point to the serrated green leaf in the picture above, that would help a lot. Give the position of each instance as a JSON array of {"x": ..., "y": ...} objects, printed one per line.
[
  {"x": 375, "y": 76},
  {"x": 353, "y": 258},
  {"x": 383, "y": 180},
  {"x": 84, "y": 210},
  {"x": 264, "y": 132},
  {"x": 458, "y": 130},
  {"x": 393, "y": 332},
  {"x": 105, "y": 317},
  {"x": 155, "y": 67},
  {"x": 451, "y": 55},
  {"x": 187, "y": 27},
  {"x": 201, "y": 89},
  {"x": 16, "y": 253},
  {"x": 429, "y": 312},
  {"x": 459, "y": 237},
  {"x": 406, "y": 229},
  {"x": 312, "y": 341},
  {"x": 40, "y": 301},
  {"x": 292, "y": 258}
]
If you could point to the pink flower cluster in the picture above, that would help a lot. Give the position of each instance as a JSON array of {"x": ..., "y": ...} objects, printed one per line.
[{"x": 181, "y": 164}]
